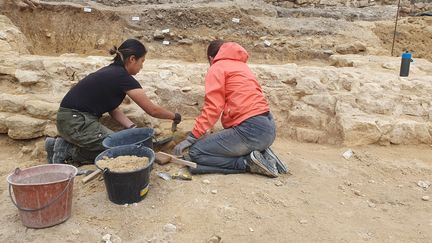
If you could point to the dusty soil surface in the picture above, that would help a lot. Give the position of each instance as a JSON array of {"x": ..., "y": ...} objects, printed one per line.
[
  {"x": 123, "y": 163},
  {"x": 373, "y": 196}
]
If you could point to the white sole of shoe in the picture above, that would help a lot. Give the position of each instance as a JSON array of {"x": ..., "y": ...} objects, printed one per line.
[{"x": 257, "y": 162}]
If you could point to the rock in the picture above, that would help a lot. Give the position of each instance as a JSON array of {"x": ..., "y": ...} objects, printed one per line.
[
  {"x": 251, "y": 230},
  {"x": 186, "y": 89},
  {"x": 371, "y": 204},
  {"x": 347, "y": 154},
  {"x": 303, "y": 221},
  {"x": 425, "y": 198},
  {"x": 170, "y": 228},
  {"x": 27, "y": 77},
  {"x": 106, "y": 237},
  {"x": 214, "y": 191},
  {"x": 278, "y": 183},
  {"x": 352, "y": 48},
  {"x": 423, "y": 184},
  {"x": 185, "y": 41},
  {"x": 24, "y": 127},
  {"x": 205, "y": 181},
  {"x": 357, "y": 193},
  {"x": 41, "y": 109},
  {"x": 328, "y": 52},
  {"x": 158, "y": 35},
  {"x": 214, "y": 239}
]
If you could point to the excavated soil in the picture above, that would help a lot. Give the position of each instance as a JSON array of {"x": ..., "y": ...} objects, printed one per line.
[
  {"x": 124, "y": 163},
  {"x": 298, "y": 34}
]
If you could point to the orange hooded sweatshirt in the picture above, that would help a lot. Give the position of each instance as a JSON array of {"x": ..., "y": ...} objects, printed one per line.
[{"x": 231, "y": 89}]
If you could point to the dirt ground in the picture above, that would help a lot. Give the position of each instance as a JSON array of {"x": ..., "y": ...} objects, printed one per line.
[{"x": 373, "y": 196}]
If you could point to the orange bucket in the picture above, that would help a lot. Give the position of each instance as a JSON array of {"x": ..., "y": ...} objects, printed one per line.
[{"x": 43, "y": 194}]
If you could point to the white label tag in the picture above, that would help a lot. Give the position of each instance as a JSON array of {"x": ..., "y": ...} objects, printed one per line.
[
  {"x": 165, "y": 42},
  {"x": 235, "y": 20},
  {"x": 267, "y": 43},
  {"x": 87, "y": 9},
  {"x": 165, "y": 31},
  {"x": 135, "y": 18}
]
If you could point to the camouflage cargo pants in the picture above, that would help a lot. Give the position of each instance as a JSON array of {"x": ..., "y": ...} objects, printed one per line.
[{"x": 83, "y": 131}]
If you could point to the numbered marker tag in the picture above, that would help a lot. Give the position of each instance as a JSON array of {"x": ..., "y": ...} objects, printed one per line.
[
  {"x": 135, "y": 18},
  {"x": 87, "y": 9},
  {"x": 235, "y": 20},
  {"x": 165, "y": 42}
]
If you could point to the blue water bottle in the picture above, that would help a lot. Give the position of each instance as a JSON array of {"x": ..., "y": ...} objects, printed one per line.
[{"x": 405, "y": 64}]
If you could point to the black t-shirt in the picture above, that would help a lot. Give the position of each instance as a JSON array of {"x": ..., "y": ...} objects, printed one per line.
[{"x": 101, "y": 91}]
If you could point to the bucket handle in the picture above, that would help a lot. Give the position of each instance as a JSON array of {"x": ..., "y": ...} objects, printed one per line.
[{"x": 48, "y": 204}]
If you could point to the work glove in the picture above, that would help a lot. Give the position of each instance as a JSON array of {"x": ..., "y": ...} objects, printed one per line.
[{"x": 179, "y": 148}]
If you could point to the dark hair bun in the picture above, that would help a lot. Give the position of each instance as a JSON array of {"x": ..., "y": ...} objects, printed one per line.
[{"x": 113, "y": 50}]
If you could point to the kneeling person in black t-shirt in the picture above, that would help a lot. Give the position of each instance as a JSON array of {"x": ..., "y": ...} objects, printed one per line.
[{"x": 102, "y": 91}]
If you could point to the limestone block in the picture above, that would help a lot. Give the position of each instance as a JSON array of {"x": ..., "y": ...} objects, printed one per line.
[
  {"x": 410, "y": 132},
  {"x": 358, "y": 130},
  {"x": 24, "y": 127},
  {"x": 321, "y": 102},
  {"x": 50, "y": 130},
  {"x": 309, "y": 135},
  {"x": 304, "y": 115},
  {"x": 27, "y": 77},
  {"x": 12, "y": 103},
  {"x": 3, "y": 126},
  {"x": 41, "y": 109},
  {"x": 309, "y": 85}
]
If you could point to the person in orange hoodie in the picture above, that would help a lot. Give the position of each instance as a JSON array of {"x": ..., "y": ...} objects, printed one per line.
[{"x": 233, "y": 94}]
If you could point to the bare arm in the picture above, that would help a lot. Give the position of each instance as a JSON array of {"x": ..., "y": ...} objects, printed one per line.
[
  {"x": 139, "y": 97},
  {"x": 121, "y": 118}
]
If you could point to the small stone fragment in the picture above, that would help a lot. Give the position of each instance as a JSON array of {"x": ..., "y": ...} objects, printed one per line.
[
  {"x": 278, "y": 183},
  {"x": 357, "y": 192},
  {"x": 347, "y": 154},
  {"x": 423, "y": 184},
  {"x": 214, "y": 239},
  {"x": 371, "y": 205},
  {"x": 251, "y": 230},
  {"x": 214, "y": 191},
  {"x": 425, "y": 198},
  {"x": 106, "y": 237},
  {"x": 170, "y": 228},
  {"x": 205, "y": 181},
  {"x": 303, "y": 221},
  {"x": 186, "y": 89}
]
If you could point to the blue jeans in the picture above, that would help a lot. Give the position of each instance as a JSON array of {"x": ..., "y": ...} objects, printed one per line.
[{"x": 228, "y": 148}]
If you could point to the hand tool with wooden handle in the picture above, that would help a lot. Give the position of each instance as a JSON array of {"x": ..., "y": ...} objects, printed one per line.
[
  {"x": 91, "y": 176},
  {"x": 172, "y": 158}
]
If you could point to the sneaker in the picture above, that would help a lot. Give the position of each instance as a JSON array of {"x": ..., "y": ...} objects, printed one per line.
[
  {"x": 49, "y": 148},
  {"x": 62, "y": 151},
  {"x": 256, "y": 163},
  {"x": 268, "y": 154}
]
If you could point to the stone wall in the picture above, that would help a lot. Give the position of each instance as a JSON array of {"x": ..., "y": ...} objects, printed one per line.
[{"x": 358, "y": 100}]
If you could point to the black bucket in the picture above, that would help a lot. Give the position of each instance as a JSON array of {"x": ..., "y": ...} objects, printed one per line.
[
  {"x": 135, "y": 136},
  {"x": 127, "y": 187}
]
